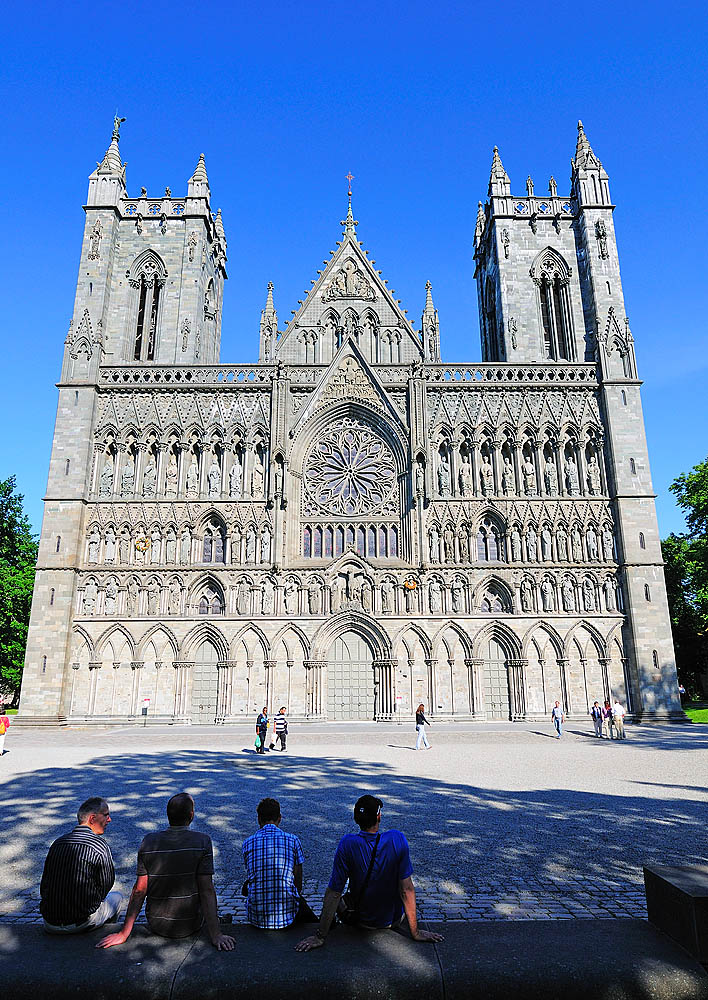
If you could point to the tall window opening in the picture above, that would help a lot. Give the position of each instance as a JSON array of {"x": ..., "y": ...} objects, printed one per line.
[
  {"x": 147, "y": 277},
  {"x": 552, "y": 277}
]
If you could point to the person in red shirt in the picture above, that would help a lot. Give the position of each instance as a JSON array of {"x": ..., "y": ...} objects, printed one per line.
[{"x": 4, "y": 726}]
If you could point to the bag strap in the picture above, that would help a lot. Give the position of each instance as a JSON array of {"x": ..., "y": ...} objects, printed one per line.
[{"x": 365, "y": 883}]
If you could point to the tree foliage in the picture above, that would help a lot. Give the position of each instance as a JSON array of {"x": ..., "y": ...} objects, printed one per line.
[
  {"x": 18, "y": 555},
  {"x": 686, "y": 558}
]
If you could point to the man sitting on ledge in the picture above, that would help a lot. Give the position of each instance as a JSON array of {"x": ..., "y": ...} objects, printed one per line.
[
  {"x": 175, "y": 869},
  {"x": 379, "y": 870},
  {"x": 78, "y": 874}
]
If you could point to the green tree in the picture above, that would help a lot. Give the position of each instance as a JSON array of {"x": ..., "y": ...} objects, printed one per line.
[
  {"x": 686, "y": 558},
  {"x": 18, "y": 555}
]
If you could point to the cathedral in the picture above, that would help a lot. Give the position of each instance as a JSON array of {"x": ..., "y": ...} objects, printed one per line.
[{"x": 349, "y": 526}]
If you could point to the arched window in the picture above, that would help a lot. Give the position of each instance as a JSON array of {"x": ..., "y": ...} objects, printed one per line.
[
  {"x": 642, "y": 540},
  {"x": 317, "y": 542},
  {"x": 493, "y": 352},
  {"x": 213, "y": 544},
  {"x": 339, "y": 541},
  {"x": 307, "y": 542},
  {"x": 328, "y": 537},
  {"x": 360, "y": 541},
  {"x": 371, "y": 541},
  {"x": 51, "y": 597},
  {"x": 383, "y": 547},
  {"x": 647, "y": 592},
  {"x": 350, "y": 537},
  {"x": 147, "y": 277},
  {"x": 58, "y": 542},
  {"x": 552, "y": 277},
  {"x": 44, "y": 664},
  {"x": 632, "y": 466},
  {"x": 211, "y": 603},
  {"x": 624, "y": 398},
  {"x": 489, "y": 543},
  {"x": 393, "y": 542},
  {"x": 67, "y": 467},
  {"x": 655, "y": 659}
]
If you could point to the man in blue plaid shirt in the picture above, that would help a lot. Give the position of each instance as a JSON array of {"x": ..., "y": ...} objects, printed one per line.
[{"x": 273, "y": 861}]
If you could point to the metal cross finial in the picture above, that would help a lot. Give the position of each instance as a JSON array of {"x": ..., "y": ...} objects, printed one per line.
[{"x": 350, "y": 178}]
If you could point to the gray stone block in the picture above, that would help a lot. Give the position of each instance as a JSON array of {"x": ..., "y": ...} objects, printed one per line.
[{"x": 677, "y": 903}]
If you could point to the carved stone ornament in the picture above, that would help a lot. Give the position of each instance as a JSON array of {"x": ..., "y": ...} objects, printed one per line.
[
  {"x": 95, "y": 239},
  {"x": 350, "y": 470},
  {"x": 349, "y": 282},
  {"x": 186, "y": 327},
  {"x": 349, "y": 382}
]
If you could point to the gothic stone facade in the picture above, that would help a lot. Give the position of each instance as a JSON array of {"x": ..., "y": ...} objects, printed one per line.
[{"x": 348, "y": 527}]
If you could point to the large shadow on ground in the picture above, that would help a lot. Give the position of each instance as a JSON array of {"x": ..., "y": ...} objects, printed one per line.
[{"x": 459, "y": 833}]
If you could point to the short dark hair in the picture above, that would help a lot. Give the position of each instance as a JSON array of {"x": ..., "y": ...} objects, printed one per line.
[
  {"x": 92, "y": 805},
  {"x": 268, "y": 811},
  {"x": 366, "y": 810},
  {"x": 180, "y": 809}
]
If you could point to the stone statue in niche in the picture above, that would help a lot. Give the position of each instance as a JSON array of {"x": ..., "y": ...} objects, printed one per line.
[
  {"x": 562, "y": 544},
  {"x": 155, "y": 546},
  {"x": 314, "y": 597},
  {"x": 610, "y": 589},
  {"x": 335, "y": 595},
  {"x": 243, "y": 592},
  {"x": 131, "y": 598},
  {"x": 236, "y": 545},
  {"x": 193, "y": 478},
  {"x": 486, "y": 476},
  {"x": 507, "y": 477},
  {"x": 214, "y": 478},
  {"x": 124, "y": 547},
  {"x": 265, "y": 544},
  {"x": 267, "y": 592},
  {"x": 463, "y": 543},
  {"x": 111, "y": 597},
  {"x": 171, "y": 476},
  {"x": 250, "y": 545},
  {"x": 110, "y": 546},
  {"x": 515, "y": 545},
  {"x": 185, "y": 546},
  {"x": 577, "y": 544},
  {"x": 532, "y": 544},
  {"x": 444, "y": 475},
  {"x": 290, "y": 594},
  {"x": 593, "y": 477},
  {"x": 150, "y": 478},
  {"x": 568, "y": 594},
  {"x": 435, "y": 597},
  {"x": 420, "y": 479},
  {"x": 174, "y": 598},
  {"x": 258, "y": 476},
  {"x": 105, "y": 483},
  {"x": 458, "y": 596},
  {"x": 547, "y": 595},
  {"x": 607, "y": 544},
  {"x": 591, "y": 539},
  {"x": 588, "y": 595},
  {"x": 94, "y": 541},
  {"x": 466, "y": 480},
  {"x": 171, "y": 546},
  {"x": 546, "y": 544},
  {"x": 572, "y": 480},
  {"x": 434, "y": 536},
  {"x": 529, "y": 472},
  {"x": 366, "y": 595},
  {"x": 449, "y": 544},
  {"x": 235, "y": 478},
  {"x": 550, "y": 478},
  {"x": 411, "y": 600},
  {"x": 127, "y": 476},
  {"x": 387, "y": 597},
  {"x": 526, "y": 596},
  {"x": 90, "y": 596},
  {"x": 153, "y": 598}
]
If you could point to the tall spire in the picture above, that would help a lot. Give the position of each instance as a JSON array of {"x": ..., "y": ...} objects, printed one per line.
[
  {"x": 198, "y": 183},
  {"x": 111, "y": 162},
  {"x": 584, "y": 155},
  {"x": 269, "y": 327},
  {"x": 430, "y": 327},
  {"x": 350, "y": 223},
  {"x": 499, "y": 183},
  {"x": 481, "y": 223}
]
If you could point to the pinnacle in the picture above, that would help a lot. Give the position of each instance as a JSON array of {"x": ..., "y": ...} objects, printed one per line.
[
  {"x": 497, "y": 165},
  {"x": 498, "y": 178},
  {"x": 200, "y": 175},
  {"x": 111, "y": 163},
  {"x": 269, "y": 306},
  {"x": 583, "y": 149},
  {"x": 350, "y": 223},
  {"x": 429, "y": 307},
  {"x": 480, "y": 224}
]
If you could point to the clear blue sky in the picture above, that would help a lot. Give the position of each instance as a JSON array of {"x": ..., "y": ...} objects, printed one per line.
[{"x": 285, "y": 98}]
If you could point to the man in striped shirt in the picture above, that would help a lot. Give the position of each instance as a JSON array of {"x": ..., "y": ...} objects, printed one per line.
[
  {"x": 175, "y": 869},
  {"x": 78, "y": 875}
]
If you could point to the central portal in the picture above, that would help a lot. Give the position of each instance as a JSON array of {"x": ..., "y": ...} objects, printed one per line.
[{"x": 350, "y": 679}]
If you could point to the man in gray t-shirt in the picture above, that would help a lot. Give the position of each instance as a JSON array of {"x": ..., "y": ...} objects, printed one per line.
[{"x": 175, "y": 869}]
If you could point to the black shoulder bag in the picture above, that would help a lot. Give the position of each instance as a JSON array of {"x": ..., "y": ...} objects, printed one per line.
[{"x": 348, "y": 909}]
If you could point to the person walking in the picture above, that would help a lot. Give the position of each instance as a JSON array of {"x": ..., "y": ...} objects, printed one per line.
[
  {"x": 420, "y": 723},
  {"x": 557, "y": 718},
  {"x": 596, "y": 714},
  {"x": 618, "y": 714},
  {"x": 281, "y": 729},
  {"x": 4, "y": 726},
  {"x": 262, "y": 729},
  {"x": 607, "y": 721}
]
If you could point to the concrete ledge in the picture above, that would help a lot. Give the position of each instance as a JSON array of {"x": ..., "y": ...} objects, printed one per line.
[
  {"x": 582, "y": 959},
  {"x": 677, "y": 903}
]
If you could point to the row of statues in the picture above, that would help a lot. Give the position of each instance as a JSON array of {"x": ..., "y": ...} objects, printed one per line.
[
  {"x": 507, "y": 487},
  {"x": 462, "y": 545},
  {"x": 251, "y": 545},
  {"x": 352, "y": 590},
  {"x": 193, "y": 487}
]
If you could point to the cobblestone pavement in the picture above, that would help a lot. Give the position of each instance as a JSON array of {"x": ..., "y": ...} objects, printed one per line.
[{"x": 504, "y": 822}]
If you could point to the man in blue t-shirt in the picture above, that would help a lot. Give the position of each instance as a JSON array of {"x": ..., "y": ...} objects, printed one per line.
[{"x": 389, "y": 892}]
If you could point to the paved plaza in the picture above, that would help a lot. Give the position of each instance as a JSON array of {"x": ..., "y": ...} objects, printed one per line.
[{"x": 504, "y": 821}]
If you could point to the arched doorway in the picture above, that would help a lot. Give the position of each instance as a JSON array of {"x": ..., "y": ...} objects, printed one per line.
[
  {"x": 350, "y": 679},
  {"x": 204, "y": 684},
  {"x": 496, "y": 681}
]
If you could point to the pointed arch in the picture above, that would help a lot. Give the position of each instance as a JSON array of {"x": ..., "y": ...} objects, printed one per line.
[
  {"x": 111, "y": 633},
  {"x": 466, "y": 643},
  {"x": 352, "y": 621},
  {"x": 501, "y": 633},
  {"x": 249, "y": 636},
  {"x": 203, "y": 632},
  {"x": 152, "y": 635},
  {"x": 298, "y": 636},
  {"x": 418, "y": 634},
  {"x": 146, "y": 277}
]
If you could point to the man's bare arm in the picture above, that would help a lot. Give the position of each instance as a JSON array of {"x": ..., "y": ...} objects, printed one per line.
[
  {"x": 329, "y": 908},
  {"x": 407, "y": 890},
  {"x": 135, "y": 905},
  {"x": 207, "y": 898}
]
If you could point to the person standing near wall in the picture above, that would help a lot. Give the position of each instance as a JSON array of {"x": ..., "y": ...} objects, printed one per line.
[
  {"x": 420, "y": 723},
  {"x": 4, "y": 726}
]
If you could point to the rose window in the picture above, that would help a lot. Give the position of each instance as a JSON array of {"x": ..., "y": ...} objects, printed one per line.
[{"x": 350, "y": 470}]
